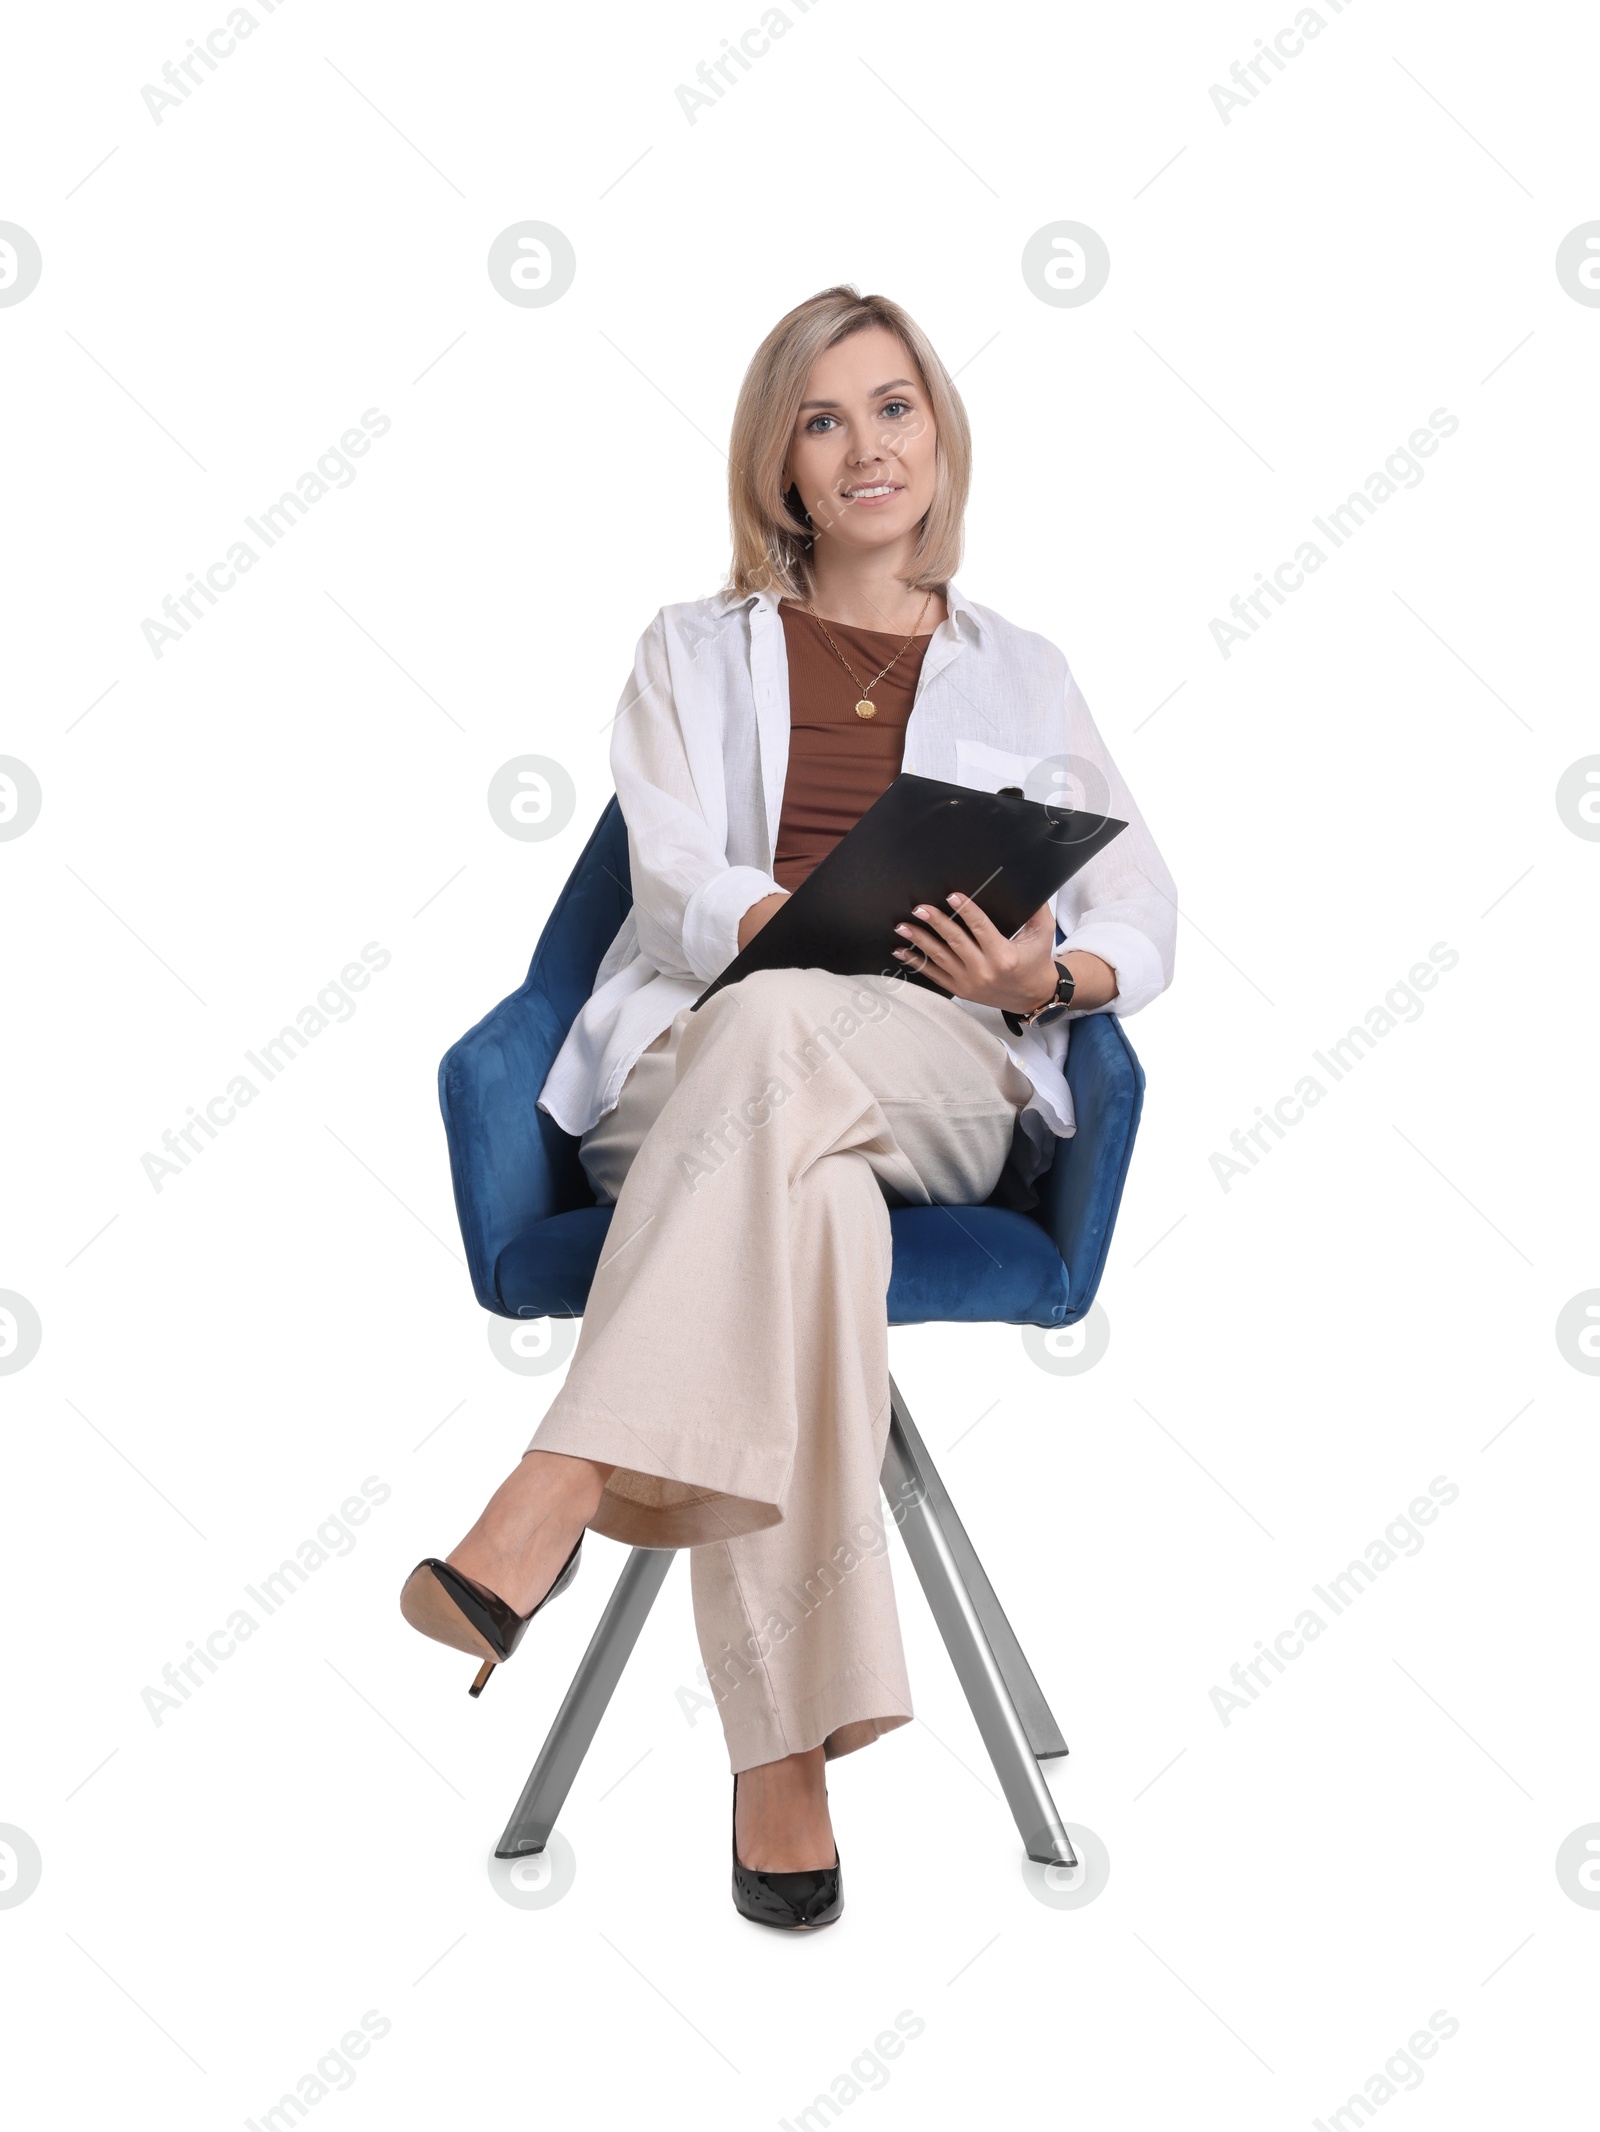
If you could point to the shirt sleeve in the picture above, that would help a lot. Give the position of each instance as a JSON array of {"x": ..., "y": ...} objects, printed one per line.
[
  {"x": 687, "y": 899},
  {"x": 1122, "y": 906}
]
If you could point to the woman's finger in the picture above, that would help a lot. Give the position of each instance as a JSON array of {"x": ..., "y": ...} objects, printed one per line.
[
  {"x": 948, "y": 929},
  {"x": 977, "y": 921},
  {"x": 930, "y": 950},
  {"x": 919, "y": 965},
  {"x": 948, "y": 941}
]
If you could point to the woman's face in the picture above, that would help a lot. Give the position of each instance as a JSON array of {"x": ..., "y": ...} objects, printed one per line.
[{"x": 862, "y": 454}]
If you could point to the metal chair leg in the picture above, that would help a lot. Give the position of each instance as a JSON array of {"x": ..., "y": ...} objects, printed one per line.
[
  {"x": 576, "y": 1722},
  {"x": 976, "y": 1632},
  {"x": 1038, "y": 1720},
  {"x": 1016, "y": 1722}
]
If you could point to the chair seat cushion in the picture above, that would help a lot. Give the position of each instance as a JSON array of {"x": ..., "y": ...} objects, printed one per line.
[{"x": 970, "y": 1265}]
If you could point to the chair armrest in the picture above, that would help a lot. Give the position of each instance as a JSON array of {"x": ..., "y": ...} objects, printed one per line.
[{"x": 1081, "y": 1191}]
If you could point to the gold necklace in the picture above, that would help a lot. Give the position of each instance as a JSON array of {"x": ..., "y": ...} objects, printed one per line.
[{"x": 866, "y": 708}]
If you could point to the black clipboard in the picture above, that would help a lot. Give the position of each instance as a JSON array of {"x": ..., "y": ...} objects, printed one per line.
[{"x": 920, "y": 842}]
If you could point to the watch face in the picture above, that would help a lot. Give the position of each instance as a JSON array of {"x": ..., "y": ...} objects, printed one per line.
[{"x": 1065, "y": 987}]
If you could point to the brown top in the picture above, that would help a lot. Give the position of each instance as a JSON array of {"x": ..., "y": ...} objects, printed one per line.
[{"x": 839, "y": 763}]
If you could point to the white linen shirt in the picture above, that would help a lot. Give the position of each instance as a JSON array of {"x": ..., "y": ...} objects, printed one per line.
[{"x": 700, "y": 751}]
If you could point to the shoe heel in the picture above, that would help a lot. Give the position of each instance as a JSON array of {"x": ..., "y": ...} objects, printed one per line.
[{"x": 442, "y": 1603}]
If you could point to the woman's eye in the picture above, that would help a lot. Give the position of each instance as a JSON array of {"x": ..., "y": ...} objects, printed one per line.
[
  {"x": 811, "y": 426},
  {"x": 898, "y": 407}
]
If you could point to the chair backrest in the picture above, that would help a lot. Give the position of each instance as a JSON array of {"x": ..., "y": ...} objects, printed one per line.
[
  {"x": 510, "y": 1162},
  {"x": 597, "y": 897}
]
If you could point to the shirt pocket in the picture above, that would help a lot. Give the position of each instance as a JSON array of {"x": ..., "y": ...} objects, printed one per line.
[
  {"x": 987, "y": 769},
  {"x": 1055, "y": 780}
]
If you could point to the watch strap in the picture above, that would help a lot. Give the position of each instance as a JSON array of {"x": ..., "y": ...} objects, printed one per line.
[{"x": 1059, "y": 1000}]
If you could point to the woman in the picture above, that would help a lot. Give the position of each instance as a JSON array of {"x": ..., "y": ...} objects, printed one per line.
[{"x": 729, "y": 1392}]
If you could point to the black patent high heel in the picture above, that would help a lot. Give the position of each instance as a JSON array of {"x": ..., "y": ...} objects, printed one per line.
[
  {"x": 791, "y": 1901},
  {"x": 456, "y": 1610}
]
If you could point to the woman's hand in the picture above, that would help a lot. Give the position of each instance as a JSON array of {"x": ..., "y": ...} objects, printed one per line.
[{"x": 973, "y": 960}]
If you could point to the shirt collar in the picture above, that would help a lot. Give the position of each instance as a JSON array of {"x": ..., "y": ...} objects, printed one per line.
[
  {"x": 964, "y": 619},
  {"x": 963, "y": 615}
]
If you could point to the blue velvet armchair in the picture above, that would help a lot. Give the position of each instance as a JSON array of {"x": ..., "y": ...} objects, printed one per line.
[{"x": 534, "y": 1234}]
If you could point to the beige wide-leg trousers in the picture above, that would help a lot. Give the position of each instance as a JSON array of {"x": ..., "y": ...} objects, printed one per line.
[{"x": 733, "y": 1363}]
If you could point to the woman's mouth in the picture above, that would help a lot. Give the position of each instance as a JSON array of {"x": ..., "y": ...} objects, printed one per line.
[{"x": 873, "y": 492}]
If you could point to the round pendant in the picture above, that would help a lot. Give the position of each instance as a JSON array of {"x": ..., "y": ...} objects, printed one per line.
[{"x": 864, "y": 709}]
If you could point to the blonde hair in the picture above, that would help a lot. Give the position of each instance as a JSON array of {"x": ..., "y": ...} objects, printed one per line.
[{"x": 771, "y": 546}]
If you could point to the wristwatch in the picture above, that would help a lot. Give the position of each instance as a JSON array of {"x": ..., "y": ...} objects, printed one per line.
[{"x": 1051, "y": 1010}]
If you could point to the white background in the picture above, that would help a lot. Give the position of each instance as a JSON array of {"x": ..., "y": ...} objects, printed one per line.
[{"x": 1292, "y": 1360}]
